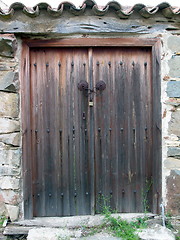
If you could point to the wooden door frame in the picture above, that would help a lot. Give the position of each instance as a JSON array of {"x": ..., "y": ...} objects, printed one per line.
[{"x": 153, "y": 43}]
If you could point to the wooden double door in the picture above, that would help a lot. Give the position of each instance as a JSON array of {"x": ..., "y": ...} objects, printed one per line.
[{"x": 91, "y": 124}]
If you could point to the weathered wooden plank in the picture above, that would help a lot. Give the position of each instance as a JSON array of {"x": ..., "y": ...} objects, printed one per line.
[
  {"x": 67, "y": 130},
  {"x": 87, "y": 25},
  {"x": 110, "y": 128},
  {"x": 128, "y": 61},
  {"x": 34, "y": 127},
  {"x": 134, "y": 131},
  {"x": 71, "y": 132},
  {"x": 54, "y": 132},
  {"x": 157, "y": 153},
  {"x": 81, "y": 117},
  {"x": 48, "y": 156},
  {"x": 57, "y": 133},
  {"x": 138, "y": 130},
  {"x": 148, "y": 126},
  {"x": 91, "y": 132},
  {"x": 42, "y": 126},
  {"x": 78, "y": 194},
  {"x": 64, "y": 137},
  {"x": 113, "y": 129},
  {"x": 77, "y": 59},
  {"x": 132, "y": 65},
  {"x": 138, "y": 122},
  {"x": 120, "y": 83},
  {"x": 26, "y": 134},
  {"x": 142, "y": 161},
  {"x": 98, "y": 134},
  {"x": 92, "y": 42},
  {"x": 59, "y": 106}
]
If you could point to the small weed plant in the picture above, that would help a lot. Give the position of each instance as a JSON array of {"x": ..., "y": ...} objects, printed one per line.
[
  {"x": 145, "y": 202},
  {"x": 2, "y": 218},
  {"x": 122, "y": 228},
  {"x": 170, "y": 226}
]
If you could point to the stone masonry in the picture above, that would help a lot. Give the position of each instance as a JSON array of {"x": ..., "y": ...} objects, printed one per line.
[
  {"x": 11, "y": 193},
  {"x": 171, "y": 125},
  {"x": 10, "y": 151}
]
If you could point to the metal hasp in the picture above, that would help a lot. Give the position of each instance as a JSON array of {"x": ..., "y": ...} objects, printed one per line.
[
  {"x": 101, "y": 85},
  {"x": 83, "y": 85}
]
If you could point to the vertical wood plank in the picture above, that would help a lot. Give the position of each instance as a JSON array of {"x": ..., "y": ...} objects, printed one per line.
[
  {"x": 120, "y": 80},
  {"x": 26, "y": 134},
  {"x": 91, "y": 132},
  {"x": 34, "y": 133},
  {"x": 157, "y": 157}
]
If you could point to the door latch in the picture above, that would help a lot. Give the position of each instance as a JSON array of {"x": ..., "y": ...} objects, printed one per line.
[
  {"x": 83, "y": 85},
  {"x": 101, "y": 85}
]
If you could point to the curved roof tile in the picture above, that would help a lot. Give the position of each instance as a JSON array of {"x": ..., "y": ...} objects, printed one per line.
[{"x": 165, "y": 8}]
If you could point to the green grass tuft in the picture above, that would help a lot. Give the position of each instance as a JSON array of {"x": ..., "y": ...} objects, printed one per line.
[{"x": 122, "y": 228}]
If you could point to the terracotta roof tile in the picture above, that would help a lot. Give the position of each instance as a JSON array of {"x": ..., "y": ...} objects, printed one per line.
[{"x": 165, "y": 8}]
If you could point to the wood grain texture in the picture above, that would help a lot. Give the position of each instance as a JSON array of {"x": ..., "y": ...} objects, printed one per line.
[
  {"x": 157, "y": 128},
  {"x": 94, "y": 42},
  {"x": 60, "y": 174},
  {"x": 120, "y": 123},
  {"x": 26, "y": 133},
  {"x": 82, "y": 155},
  {"x": 93, "y": 25}
]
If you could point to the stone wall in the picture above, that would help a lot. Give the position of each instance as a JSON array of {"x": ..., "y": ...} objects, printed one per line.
[
  {"x": 171, "y": 124},
  {"x": 10, "y": 134},
  {"x": 10, "y": 150}
]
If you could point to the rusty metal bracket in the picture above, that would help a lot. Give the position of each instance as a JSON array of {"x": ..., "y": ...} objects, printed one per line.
[
  {"x": 83, "y": 85},
  {"x": 100, "y": 86}
]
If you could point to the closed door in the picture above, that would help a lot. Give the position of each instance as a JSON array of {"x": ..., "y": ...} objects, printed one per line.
[{"x": 91, "y": 130}]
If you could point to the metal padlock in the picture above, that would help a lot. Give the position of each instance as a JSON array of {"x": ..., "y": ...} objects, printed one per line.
[{"x": 91, "y": 104}]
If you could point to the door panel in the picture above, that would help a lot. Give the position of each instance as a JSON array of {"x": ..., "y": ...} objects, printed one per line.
[
  {"x": 59, "y": 136},
  {"x": 84, "y": 157},
  {"x": 123, "y": 134}
]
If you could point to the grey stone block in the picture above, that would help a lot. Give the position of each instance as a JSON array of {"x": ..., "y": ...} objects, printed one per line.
[
  {"x": 173, "y": 152},
  {"x": 9, "y": 106},
  {"x": 172, "y": 163},
  {"x": 10, "y": 157},
  {"x": 8, "y": 125},
  {"x": 9, "y": 82},
  {"x": 174, "y": 43},
  {"x": 7, "y": 46},
  {"x": 173, "y": 89},
  {"x": 9, "y": 183},
  {"x": 174, "y": 123},
  {"x": 11, "y": 139},
  {"x": 9, "y": 171},
  {"x": 10, "y": 196},
  {"x": 177, "y": 172},
  {"x": 174, "y": 64},
  {"x": 13, "y": 212},
  {"x": 173, "y": 190}
]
